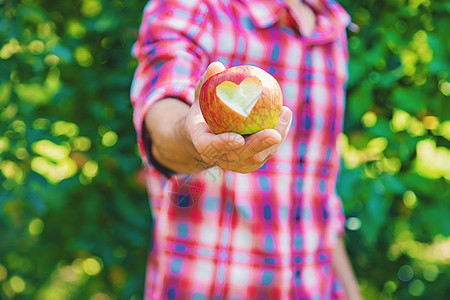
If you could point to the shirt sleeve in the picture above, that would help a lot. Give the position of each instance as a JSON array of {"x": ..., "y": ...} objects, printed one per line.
[{"x": 172, "y": 57}]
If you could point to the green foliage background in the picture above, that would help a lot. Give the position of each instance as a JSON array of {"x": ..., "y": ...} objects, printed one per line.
[{"x": 74, "y": 217}]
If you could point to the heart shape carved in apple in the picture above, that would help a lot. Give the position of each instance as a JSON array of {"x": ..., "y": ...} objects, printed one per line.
[{"x": 240, "y": 98}]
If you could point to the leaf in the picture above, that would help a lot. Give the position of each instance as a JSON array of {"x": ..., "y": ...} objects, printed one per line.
[
  {"x": 375, "y": 214},
  {"x": 410, "y": 100}
]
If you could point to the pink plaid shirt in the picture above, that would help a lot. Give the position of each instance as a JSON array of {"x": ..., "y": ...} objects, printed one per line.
[{"x": 268, "y": 234}]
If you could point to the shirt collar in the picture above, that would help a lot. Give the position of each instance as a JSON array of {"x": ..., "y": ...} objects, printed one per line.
[
  {"x": 331, "y": 20},
  {"x": 265, "y": 13},
  {"x": 336, "y": 12}
]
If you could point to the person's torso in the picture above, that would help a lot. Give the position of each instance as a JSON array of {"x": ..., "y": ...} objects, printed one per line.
[{"x": 281, "y": 217}]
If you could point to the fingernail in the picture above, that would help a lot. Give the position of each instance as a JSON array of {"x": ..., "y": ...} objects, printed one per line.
[{"x": 285, "y": 116}]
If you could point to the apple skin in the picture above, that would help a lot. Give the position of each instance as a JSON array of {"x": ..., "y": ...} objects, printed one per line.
[{"x": 221, "y": 118}]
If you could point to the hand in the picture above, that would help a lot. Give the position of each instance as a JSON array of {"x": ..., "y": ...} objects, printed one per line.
[{"x": 231, "y": 151}]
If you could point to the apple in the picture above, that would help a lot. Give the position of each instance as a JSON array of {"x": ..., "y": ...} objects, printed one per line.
[{"x": 243, "y": 99}]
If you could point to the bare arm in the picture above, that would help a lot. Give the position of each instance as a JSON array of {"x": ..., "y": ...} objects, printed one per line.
[
  {"x": 170, "y": 145},
  {"x": 343, "y": 269},
  {"x": 182, "y": 141}
]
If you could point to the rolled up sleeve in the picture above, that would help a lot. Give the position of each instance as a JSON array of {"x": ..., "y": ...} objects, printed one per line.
[{"x": 171, "y": 58}]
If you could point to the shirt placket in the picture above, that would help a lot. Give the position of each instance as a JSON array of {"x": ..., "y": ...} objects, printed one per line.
[
  {"x": 224, "y": 244},
  {"x": 302, "y": 131}
]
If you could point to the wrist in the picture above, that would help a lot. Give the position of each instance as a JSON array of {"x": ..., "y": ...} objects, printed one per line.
[
  {"x": 185, "y": 141},
  {"x": 188, "y": 147},
  {"x": 175, "y": 150}
]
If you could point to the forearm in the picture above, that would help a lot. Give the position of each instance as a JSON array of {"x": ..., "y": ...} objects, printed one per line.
[
  {"x": 170, "y": 145},
  {"x": 344, "y": 271}
]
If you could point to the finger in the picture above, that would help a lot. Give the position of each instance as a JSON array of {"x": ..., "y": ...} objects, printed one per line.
[
  {"x": 258, "y": 142},
  {"x": 284, "y": 122},
  {"x": 212, "y": 147},
  {"x": 213, "y": 68},
  {"x": 282, "y": 127},
  {"x": 195, "y": 123},
  {"x": 265, "y": 142},
  {"x": 207, "y": 142},
  {"x": 199, "y": 85}
]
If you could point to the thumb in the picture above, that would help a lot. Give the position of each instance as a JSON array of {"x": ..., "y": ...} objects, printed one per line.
[{"x": 214, "y": 68}]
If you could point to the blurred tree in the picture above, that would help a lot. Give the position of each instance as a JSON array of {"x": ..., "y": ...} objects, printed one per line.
[
  {"x": 396, "y": 170},
  {"x": 74, "y": 217}
]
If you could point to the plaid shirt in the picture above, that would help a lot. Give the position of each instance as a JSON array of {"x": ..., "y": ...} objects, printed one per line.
[{"x": 268, "y": 234}]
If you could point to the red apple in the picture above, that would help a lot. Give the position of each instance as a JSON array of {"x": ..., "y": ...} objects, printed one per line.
[{"x": 242, "y": 99}]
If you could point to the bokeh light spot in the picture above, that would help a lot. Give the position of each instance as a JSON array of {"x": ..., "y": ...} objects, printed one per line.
[
  {"x": 83, "y": 57},
  {"x": 36, "y": 47},
  {"x": 41, "y": 124},
  {"x": 5, "y": 93},
  {"x": 410, "y": 199},
  {"x": 36, "y": 226},
  {"x": 377, "y": 145},
  {"x": 52, "y": 60},
  {"x": 4, "y": 144},
  {"x": 369, "y": 119},
  {"x": 18, "y": 126},
  {"x": 391, "y": 165},
  {"x": 430, "y": 273},
  {"x": 353, "y": 223},
  {"x": 390, "y": 287},
  {"x": 9, "y": 49},
  {"x": 90, "y": 169},
  {"x": 10, "y": 112},
  {"x": 68, "y": 129},
  {"x": 12, "y": 171},
  {"x": 109, "y": 139},
  {"x": 81, "y": 143},
  {"x": 100, "y": 296},
  {"x": 405, "y": 273},
  {"x": 21, "y": 153},
  {"x": 416, "y": 287},
  {"x": 51, "y": 150},
  {"x": 17, "y": 284},
  {"x": 431, "y": 161},
  {"x": 44, "y": 30},
  {"x": 92, "y": 266},
  {"x": 444, "y": 130},
  {"x": 54, "y": 173},
  {"x": 415, "y": 127},
  {"x": 3, "y": 272},
  {"x": 430, "y": 122},
  {"x": 444, "y": 87},
  {"x": 91, "y": 8},
  {"x": 76, "y": 29}
]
